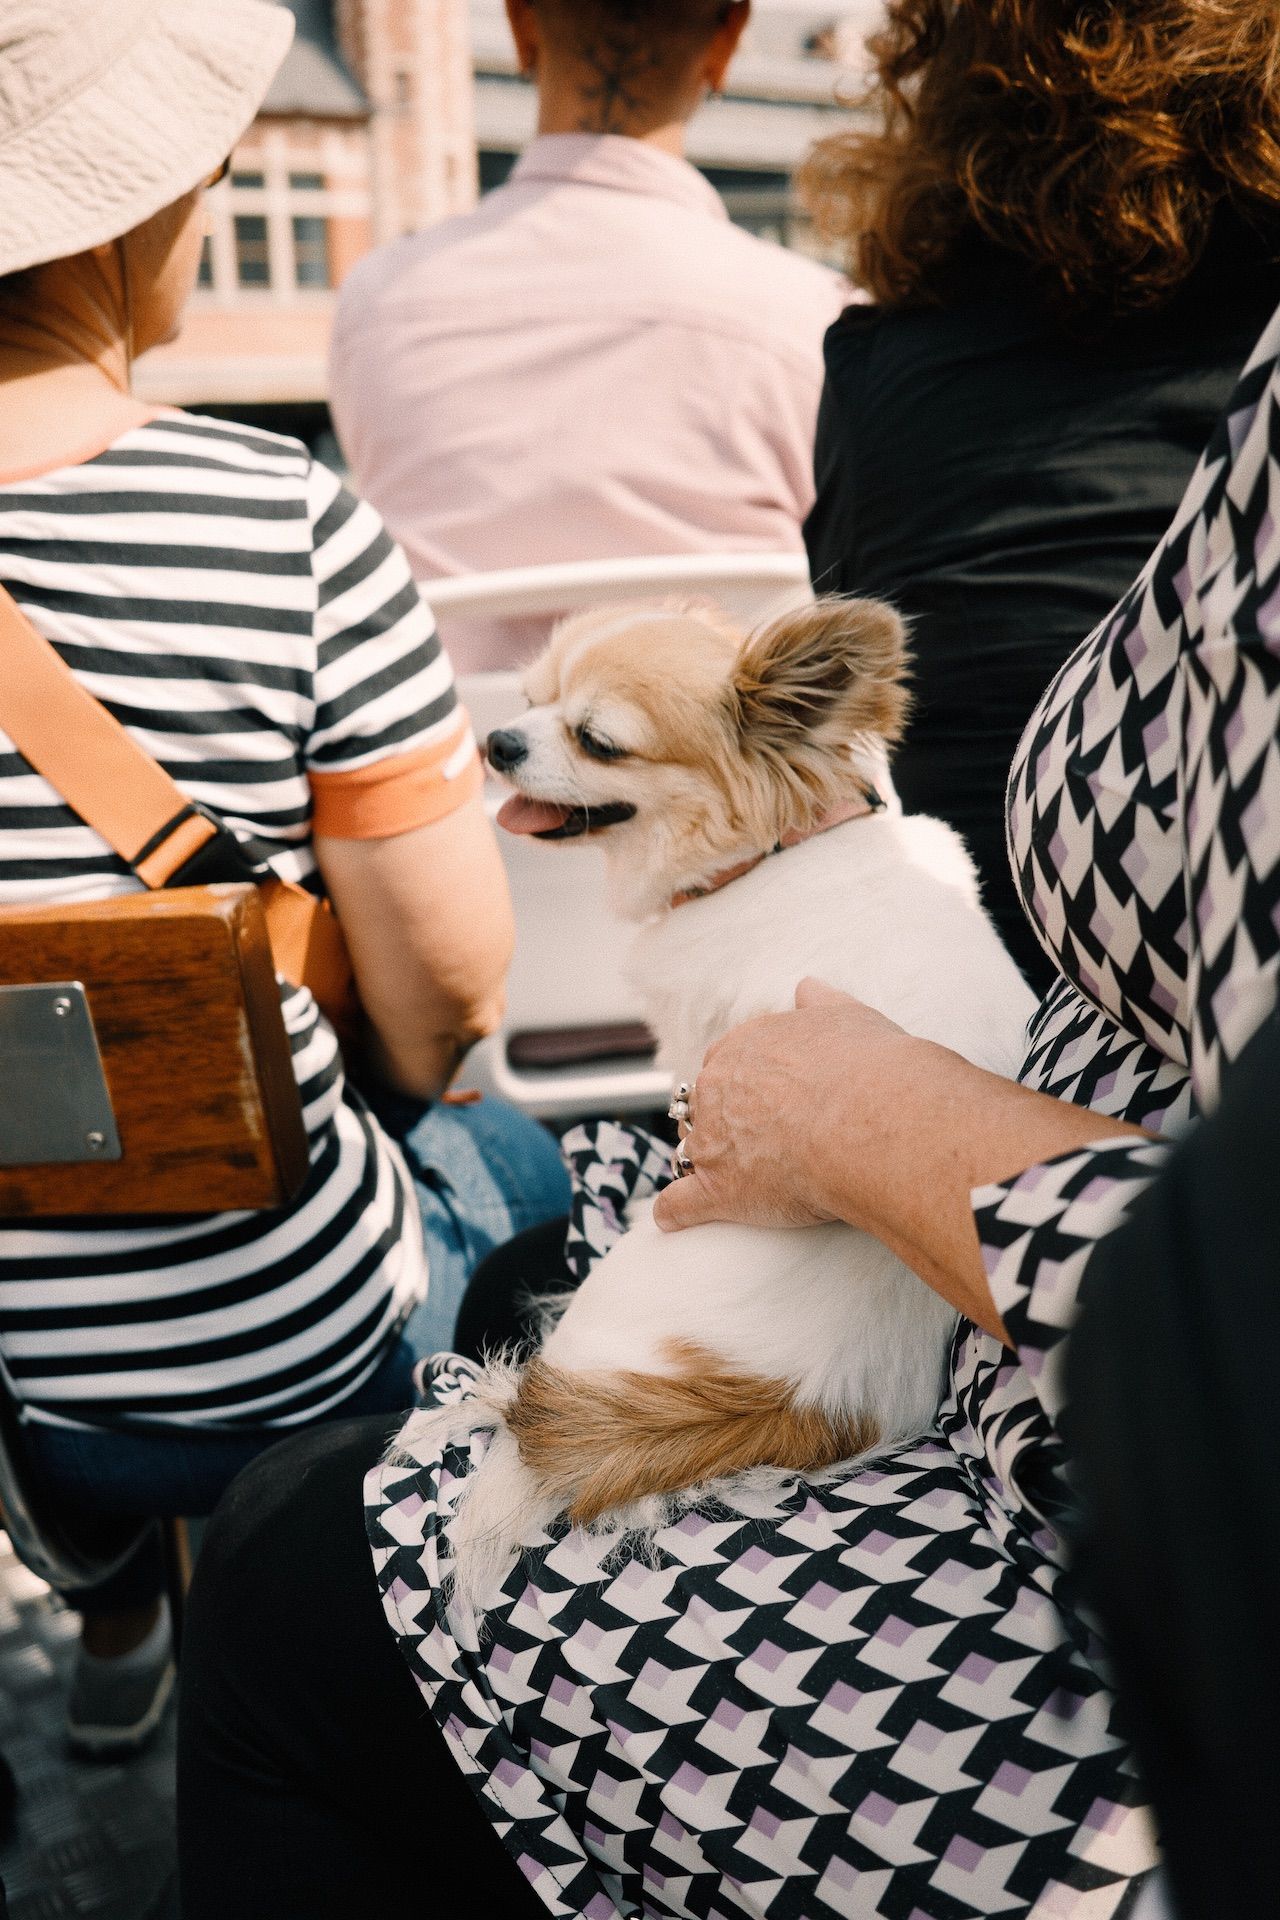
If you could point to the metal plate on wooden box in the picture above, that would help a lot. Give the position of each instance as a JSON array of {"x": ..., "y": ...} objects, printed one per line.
[{"x": 54, "y": 1103}]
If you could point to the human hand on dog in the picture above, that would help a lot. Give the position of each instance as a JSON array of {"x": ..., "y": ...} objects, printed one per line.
[
  {"x": 778, "y": 1110},
  {"x": 834, "y": 1113}
]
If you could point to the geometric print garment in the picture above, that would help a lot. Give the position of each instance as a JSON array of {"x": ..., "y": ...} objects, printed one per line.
[{"x": 875, "y": 1694}]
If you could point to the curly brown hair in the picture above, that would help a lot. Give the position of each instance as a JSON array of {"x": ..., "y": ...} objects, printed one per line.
[{"x": 1093, "y": 141}]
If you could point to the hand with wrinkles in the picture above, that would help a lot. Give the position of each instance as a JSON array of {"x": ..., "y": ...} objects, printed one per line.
[
  {"x": 832, "y": 1112},
  {"x": 763, "y": 1124}
]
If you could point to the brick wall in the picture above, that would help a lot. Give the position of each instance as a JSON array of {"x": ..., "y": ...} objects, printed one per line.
[{"x": 309, "y": 194}]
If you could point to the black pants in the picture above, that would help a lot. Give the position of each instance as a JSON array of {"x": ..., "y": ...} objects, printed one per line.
[
  {"x": 312, "y": 1782},
  {"x": 1173, "y": 1385},
  {"x": 497, "y": 1310}
]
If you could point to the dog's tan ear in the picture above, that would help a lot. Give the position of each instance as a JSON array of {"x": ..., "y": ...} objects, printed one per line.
[{"x": 822, "y": 675}]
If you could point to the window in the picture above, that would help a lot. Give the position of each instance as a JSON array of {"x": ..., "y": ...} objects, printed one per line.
[
  {"x": 205, "y": 276},
  {"x": 253, "y": 261},
  {"x": 310, "y": 250},
  {"x": 271, "y": 229}
]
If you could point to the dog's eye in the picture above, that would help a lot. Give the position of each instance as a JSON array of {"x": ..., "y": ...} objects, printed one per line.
[{"x": 598, "y": 747}]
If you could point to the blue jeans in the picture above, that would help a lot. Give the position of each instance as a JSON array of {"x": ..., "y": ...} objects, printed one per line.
[
  {"x": 179, "y": 1471},
  {"x": 481, "y": 1173}
]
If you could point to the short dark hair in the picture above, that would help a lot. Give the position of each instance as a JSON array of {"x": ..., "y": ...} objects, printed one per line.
[
  {"x": 689, "y": 19},
  {"x": 636, "y": 46}
]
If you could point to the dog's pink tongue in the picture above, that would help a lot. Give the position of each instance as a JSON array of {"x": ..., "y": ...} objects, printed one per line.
[{"x": 521, "y": 815}]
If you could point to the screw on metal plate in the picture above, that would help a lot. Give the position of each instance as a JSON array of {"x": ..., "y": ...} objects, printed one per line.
[{"x": 55, "y": 1104}]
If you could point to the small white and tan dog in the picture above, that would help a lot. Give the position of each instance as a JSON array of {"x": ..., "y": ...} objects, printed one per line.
[{"x": 741, "y": 791}]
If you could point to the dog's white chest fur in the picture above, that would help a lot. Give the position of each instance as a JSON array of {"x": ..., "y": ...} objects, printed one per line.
[{"x": 887, "y": 909}]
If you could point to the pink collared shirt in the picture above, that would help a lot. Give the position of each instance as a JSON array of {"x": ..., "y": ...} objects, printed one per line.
[{"x": 593, "y": 363}]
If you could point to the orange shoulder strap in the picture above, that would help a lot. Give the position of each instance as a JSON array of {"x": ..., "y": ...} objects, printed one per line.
[
  {"x": 127, "y": 797},
  {"x": 89, "y": 758}
]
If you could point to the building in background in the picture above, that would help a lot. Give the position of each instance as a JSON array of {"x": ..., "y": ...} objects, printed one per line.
[
  {"x": 366, "y": 133},
  {"x": 388, "y": 115}
]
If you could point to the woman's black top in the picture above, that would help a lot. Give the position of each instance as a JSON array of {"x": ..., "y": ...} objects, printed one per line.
[{"x": 1002, "y": 481}]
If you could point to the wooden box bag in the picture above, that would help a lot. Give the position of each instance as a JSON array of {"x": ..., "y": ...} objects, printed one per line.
[{"x": 144, "y": 1063}]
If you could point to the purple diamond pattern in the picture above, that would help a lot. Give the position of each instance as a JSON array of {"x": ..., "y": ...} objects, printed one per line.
[{"x": 946, "y": 1747}]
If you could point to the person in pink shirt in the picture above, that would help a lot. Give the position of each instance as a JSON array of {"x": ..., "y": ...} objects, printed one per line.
[{"x": 594, "y": 362}]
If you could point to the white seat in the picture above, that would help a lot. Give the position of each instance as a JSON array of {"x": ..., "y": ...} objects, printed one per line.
[
  {"x": 570, "y": 950},
  {"x": 750, "y": 586}
]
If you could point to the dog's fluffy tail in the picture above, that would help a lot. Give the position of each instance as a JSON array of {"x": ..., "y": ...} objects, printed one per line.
[
  {"x": 502, "y": 1505},
  {"x": 618, "y": 1453}
]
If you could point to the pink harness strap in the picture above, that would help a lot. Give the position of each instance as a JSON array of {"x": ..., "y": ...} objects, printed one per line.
[{"x": 868, "y": 802}]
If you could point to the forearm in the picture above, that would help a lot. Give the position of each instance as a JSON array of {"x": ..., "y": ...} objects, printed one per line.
[
  {"x": 942, "y": 1128},
  {"x": 834, "y": 1113},
  {"x": 424, "y": 1068},
  {"x": 429, "y": 924},
  {"x": 419, "y": 1027}
]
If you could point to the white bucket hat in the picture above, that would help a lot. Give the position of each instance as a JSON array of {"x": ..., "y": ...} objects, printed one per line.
[{"x": 112, "y": 109}]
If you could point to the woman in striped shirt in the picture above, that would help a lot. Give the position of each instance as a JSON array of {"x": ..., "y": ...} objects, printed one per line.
[{"x": 255, "y": 629}]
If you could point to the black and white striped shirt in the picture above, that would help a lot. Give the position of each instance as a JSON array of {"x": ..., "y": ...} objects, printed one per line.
[{"x": 257, "y": 631}]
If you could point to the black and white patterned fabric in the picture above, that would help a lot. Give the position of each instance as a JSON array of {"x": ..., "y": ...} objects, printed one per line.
[{"x": 876, "y": 1696}]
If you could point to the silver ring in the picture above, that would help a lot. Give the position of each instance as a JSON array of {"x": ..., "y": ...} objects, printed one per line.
[
  {"x": 681, "y": 1164},
  {"x": 681, "y": 1108}
]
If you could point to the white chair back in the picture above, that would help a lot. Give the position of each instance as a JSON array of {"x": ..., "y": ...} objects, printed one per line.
[
  {"x": 570, "y": 950},
  {"x": 749, "y": 586}
]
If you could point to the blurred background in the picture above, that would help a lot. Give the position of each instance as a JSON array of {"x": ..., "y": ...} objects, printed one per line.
[{"x": 388, "y": 115}]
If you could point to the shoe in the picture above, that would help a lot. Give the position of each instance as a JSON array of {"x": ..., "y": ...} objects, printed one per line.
[{"x": 115, "y": 1706}]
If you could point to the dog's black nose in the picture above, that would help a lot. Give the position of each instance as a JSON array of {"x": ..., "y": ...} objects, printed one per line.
[{"x": 506, "y": 749}]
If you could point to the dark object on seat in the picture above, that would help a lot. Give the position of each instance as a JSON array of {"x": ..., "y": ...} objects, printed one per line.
[
  {"x": 67, "y": 1555},
  {"x": 534, "y": 1047}
]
